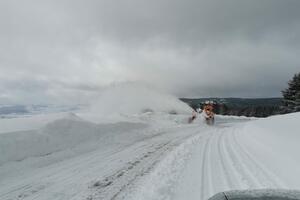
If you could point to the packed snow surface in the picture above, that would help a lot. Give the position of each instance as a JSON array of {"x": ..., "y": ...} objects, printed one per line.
[{"x": 145, "y": 151}]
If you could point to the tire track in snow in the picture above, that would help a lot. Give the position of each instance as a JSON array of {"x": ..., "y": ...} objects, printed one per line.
[
  {"x": 128, "y": 175},
  {"x": 118, "y": 187},
  {"x": 241, "y": 164},
  {"x": 268, "y": 179},
  {"x": 218, "y": 174},
  {"x": 229, "y": 165},
  {"x": 206, "y": 184},
  {"x": 254, "y": 173},
  {"x": 77, "y": 170},
  {"x": 217, "y": 170},
  {"x": 224, "y": 168},
  {"x": 224, "y": 165},
  {"x": 64, "y": 174}
]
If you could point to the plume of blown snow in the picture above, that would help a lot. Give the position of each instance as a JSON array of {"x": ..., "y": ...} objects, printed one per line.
[{"x": 131, "y": 98}]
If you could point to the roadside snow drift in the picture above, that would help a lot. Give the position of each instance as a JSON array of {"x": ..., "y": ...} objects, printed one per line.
[
  {"x": 59, "y": 135},
  {"x": 275, "y": 141}
]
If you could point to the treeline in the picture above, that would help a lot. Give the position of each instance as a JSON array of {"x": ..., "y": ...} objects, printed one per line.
[
  {"x": 241, "y": 107},
  {"x": 262, "y": 107},
  {"x": 249, "y": 111},
  {"x": 244, "y": 107}
]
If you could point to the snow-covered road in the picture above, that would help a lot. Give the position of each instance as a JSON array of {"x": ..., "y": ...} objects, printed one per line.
[
  {"x": 220, "y": 163},
  {"x": 179, "y": 161},
  {"x": 101, "y": 174}
]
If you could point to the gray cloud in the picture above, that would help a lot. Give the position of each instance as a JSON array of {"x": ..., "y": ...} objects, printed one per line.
[{"x": 62, "y": 50}]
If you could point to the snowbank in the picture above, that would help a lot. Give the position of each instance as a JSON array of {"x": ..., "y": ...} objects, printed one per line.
[
  {"x": 275, "y": 141},
  {"x": 59, "y": 135},
  {"x": 129, "y": 99}
]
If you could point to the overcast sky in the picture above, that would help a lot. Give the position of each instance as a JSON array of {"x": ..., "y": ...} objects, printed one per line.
[{"x": 64, "y": 50}]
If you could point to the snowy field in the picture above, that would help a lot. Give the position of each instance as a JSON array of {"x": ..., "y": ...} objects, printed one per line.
[{"x": 145, "y": 151}]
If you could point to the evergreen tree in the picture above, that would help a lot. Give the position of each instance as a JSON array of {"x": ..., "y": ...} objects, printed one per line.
[{"x": 291, "y": 95}]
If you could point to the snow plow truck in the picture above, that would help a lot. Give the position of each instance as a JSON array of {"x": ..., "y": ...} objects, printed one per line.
[{"x": 208, "y": 112}]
